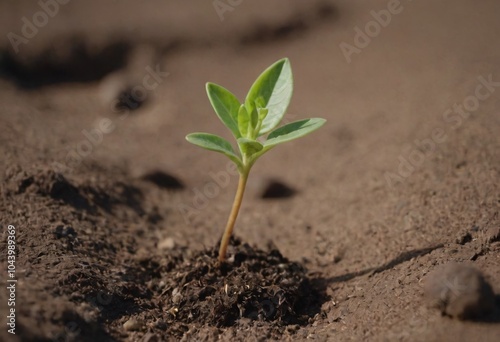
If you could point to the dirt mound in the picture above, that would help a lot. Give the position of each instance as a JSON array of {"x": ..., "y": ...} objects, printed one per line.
[{"x": 254, "y": 284}]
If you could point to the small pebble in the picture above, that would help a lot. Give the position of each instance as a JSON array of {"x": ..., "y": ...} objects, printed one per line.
[
  {"x": 132, "y": 325},
  {"x": 176, "y": 298},
  {"x": 168, "y": 243},
  {"x": 459, "y": 291}
]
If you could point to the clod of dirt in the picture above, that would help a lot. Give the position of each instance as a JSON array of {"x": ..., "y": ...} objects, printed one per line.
[
  {"x": 45, "y": 182},
  {"x": 64, "y": 231},
  {"x": 277, "y": 189},
  {"x": 163, "y": 180},
  {"x": 459, "y": 291},
  {"x": 253, "y": 285}
]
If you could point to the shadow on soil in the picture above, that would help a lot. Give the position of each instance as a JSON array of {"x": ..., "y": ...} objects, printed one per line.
[
  {"x": 403, "y": 257},
  {"x": 70, "y": 60},
  {"x": 494, "y": 317}
]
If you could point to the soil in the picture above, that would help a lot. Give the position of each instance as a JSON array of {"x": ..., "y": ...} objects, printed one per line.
[{"x": 117, "y": 218}]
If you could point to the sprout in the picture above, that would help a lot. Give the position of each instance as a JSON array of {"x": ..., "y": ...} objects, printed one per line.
[{"x": 260, "y": 114}]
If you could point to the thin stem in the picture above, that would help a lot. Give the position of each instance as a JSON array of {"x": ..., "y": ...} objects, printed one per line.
[{"x": 234, "y": 214}]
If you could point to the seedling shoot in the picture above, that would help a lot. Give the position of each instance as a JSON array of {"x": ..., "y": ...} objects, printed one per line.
[{"x": 253, "y": 125}]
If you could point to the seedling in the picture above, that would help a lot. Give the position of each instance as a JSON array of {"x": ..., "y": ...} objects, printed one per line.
[{"x": 249, "y": 122}]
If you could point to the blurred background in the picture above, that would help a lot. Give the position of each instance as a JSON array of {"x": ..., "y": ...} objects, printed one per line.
[
  {"x": 116, "y": 85},
  {"x": 103, "y": 92},
  {"x": 89, "y": 86}
]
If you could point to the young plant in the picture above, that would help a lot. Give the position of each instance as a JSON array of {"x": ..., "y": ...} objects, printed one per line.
[{"x": 249, "y": 122}]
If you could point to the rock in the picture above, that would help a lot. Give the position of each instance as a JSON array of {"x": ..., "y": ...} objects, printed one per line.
[
  {"x": 176, "y": 296},
  {"x": 132, "y": 325},
  {"x": 167, "y": 243},
  {"x": 459, "y": 291}
]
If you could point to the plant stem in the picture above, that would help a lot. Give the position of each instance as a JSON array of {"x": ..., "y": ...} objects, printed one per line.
[{"x": 234, "y": 214}]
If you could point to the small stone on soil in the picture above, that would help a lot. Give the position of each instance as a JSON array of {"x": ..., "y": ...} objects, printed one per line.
[
  {"x": 132, "y": 325},
  {"x": 167, "y": 243},
  {"x": 459, "y": 291}
]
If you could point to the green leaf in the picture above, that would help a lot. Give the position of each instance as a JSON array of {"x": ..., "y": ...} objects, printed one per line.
[
  {"x": 263, "y": 113},
  {"x": 249, "y": 147},
  {"x": 272, "y": 90},
  {"x": 226, "y": 106},
  {"x": 254, "y": 119},
  {"x": 215, "y": 143},
  {"x": 243, "y": 121},
  {"x": 293, "y": 131}
]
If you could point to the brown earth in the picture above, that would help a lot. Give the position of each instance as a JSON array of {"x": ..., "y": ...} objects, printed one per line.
[{"x": 117, "y": 217}]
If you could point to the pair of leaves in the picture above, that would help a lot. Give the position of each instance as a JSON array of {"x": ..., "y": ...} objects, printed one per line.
[
  {"x": 263, "y": 110},
  {"x": 283, "y": 134},
  {"x": 271, "y": 91}
]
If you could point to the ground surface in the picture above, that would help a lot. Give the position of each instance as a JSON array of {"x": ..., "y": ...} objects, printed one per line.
[{"x": 397, "y": 183}]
